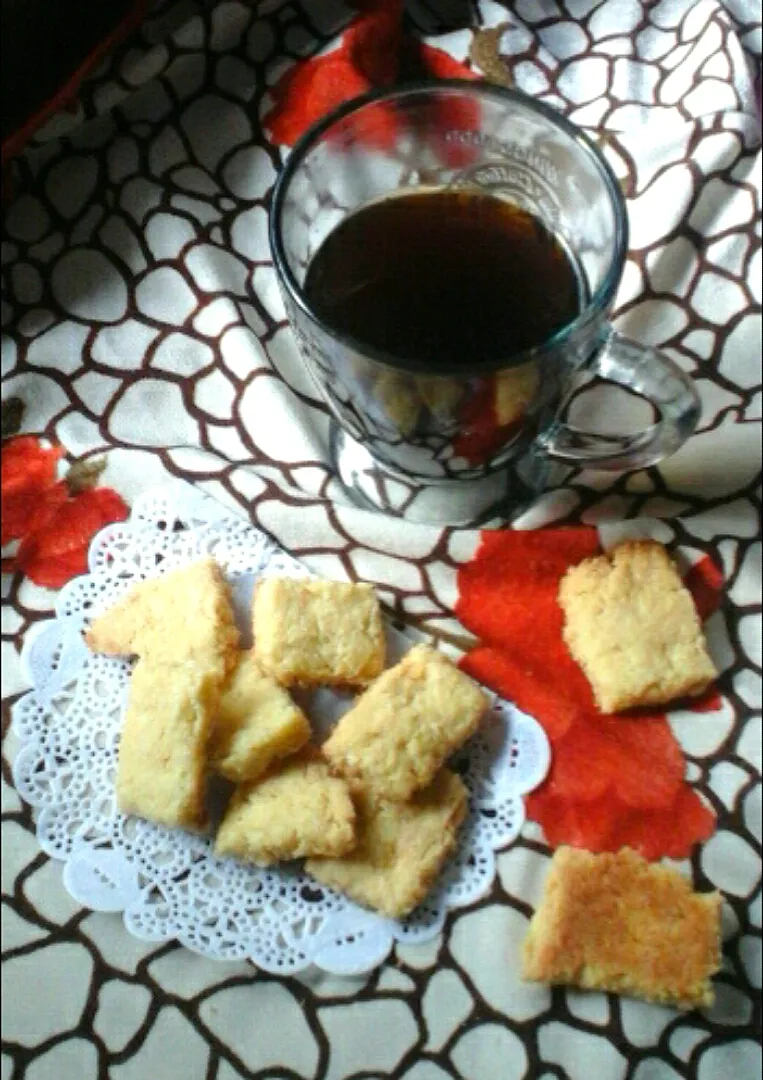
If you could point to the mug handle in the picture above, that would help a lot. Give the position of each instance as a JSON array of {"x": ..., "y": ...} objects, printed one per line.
[{"x": 649, "y": 374}]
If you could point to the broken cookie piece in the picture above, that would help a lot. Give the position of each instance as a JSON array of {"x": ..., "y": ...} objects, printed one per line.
[
  {"x": 400, "y": 849},
  {"x": 296, "y": 809},
  {"x": 631, "y": 624},
  {"x": 184, "y": 616},
  {"x": 318, "y": 632},
  {"x": 256, "y": 722},
  {"x": 401, "y": 730},
  {"x": 616, "y": 922}
]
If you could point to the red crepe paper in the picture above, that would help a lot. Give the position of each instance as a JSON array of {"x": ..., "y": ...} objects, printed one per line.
[
  {"x": 615, "y": 780},
  {"x": 602, "y": 825},
  {"x": 372, "y": 53},
  {"x": 309, "y": 91},
  {"x": 53, "y": 526}
]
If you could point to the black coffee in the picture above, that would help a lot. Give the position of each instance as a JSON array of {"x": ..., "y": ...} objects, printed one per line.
[{"x": 444, "y": 281}]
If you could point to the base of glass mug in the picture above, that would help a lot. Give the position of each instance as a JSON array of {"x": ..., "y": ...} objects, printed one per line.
[{"x": 487, "y": 501}]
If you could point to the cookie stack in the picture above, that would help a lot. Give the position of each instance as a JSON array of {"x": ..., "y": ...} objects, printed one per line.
[{"x": 374, "y": 810}]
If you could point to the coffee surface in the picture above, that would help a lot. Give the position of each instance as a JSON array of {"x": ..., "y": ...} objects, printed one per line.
[{"x": 443, "y": 280}]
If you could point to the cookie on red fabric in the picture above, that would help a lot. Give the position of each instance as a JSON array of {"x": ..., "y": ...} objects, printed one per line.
[{"x": 631, "y": 624}]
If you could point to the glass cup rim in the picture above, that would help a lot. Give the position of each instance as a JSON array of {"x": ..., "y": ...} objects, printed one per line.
[{"x": 596, "y": 305}]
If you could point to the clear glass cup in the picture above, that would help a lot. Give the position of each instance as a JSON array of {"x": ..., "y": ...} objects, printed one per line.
[{"x": 431, "y": 429}]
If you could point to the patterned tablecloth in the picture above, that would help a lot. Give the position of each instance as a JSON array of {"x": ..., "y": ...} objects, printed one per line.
[{"x": 141, "y": 320}]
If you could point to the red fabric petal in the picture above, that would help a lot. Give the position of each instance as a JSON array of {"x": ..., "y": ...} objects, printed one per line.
[
  {"x": 636, "y": 759},
  {"x": 670, "y": 832},
  {"x": 705, "y": 583},
  {"x": 372, "y": 42},
  {"x": 28, "y": 472},
  {"x": 587, "y": 825},
  {"x": 710, "y": 701},
  {"x": 605, "y": 824},
  {"x": 55, "y": 573},
  {"x": 507, "y": 593},
  {"x": 307, "y": 92},
  {"x": 368, "y": 56},
  {"x": 525, "y": 683},
  {"x": 441, "y": 65},
  {"x": 27, "y": 466},
  {"x": 371, "y": 53},
  {"x": 507, "y": 596},
  {"x": 23, "y": 512},
  {"x": 57, "y": 551}
]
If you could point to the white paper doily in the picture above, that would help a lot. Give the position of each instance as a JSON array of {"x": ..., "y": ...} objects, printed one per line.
[{"x": 168, "y": 883}]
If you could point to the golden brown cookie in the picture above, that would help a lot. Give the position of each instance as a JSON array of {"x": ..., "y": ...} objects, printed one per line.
[
  {"x": 401, "y": 847},
  {"x": 318, "y": 632},
  {"x": 162, "y": 767},
  {"x": 256, "y": 722},
  {"x": 616, "y": 922},
  {"x": 296, "y": 809},
  {"x": 631, "y": 624},
  {"x": 401, "y": 730}
]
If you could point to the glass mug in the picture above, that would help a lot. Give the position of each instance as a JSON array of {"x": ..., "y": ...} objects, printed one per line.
[{"x": 477, "y": 442}]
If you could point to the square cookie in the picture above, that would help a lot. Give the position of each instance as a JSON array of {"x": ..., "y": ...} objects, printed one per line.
[
  {"x": 256, "y": 722},
  {"x": 162, "y": 764},
  {"x": 296, "y": 809},
  {"x": 318, "y": 632},
  {"x": 401, "y": 848},
  {"x": 401, "y": 730},
  {"x": 616, "y": 922},
  {"x": 631, "y": 624}
]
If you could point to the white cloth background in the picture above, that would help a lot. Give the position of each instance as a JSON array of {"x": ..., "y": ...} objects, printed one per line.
[{"x": 141, "y": 318}]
